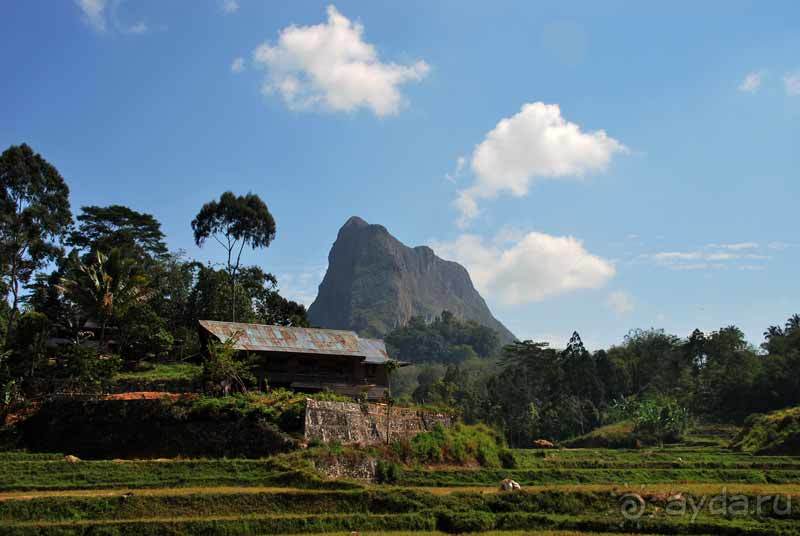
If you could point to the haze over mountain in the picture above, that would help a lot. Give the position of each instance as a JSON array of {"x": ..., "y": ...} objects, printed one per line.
[{"x": 375, "y": 283}]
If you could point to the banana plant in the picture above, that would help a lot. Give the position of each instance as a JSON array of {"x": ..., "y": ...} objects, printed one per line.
[{"x": 105, "y": 288}]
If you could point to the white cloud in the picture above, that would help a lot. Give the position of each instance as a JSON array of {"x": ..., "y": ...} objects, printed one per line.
[
  {"x": 330, "y": 66},
  {"x": 779, "y": 246},
  {"x": 737, "y": 246},
  {"x": 237, "y": 65},
  {"x": 621, "y": 302},
  {"x": 751, "y": 82},
  {"x": 535, "y": 143},
  {"x": 520, "y": 268},
  {"x": 230, "y": 6},
  {"x": 102, "y": 16},
  {"x": 94, "y": 12},
  {"x": 791, "y": 82},
  {"x": 301, "y": 284},
  {"x": 712, "y": 256}
]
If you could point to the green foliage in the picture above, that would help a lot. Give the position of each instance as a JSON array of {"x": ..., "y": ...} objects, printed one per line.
[
  {"x": 118, "y": 227},
  {"x": 106, "y": 289},
  {"x": 661, "y": 417},
  {"x": 34, "y": 215},
  {"x": 447, "y": 340},
  {"x": 223, "y": 369},
  {"x": 464, "y": 522},
  {"x": 82, "y": 369},
  {"x": 29, "y": 347},
  {"x": 619, "y": 435},
  {"x": 161, "y": 372},
  {"x": 143, "y": 334},
  {"x": 235, "y": 222},
  {"x": 387, "y": 472},
  {"x": 459, "y": 444},
  {"x": 776, "y": 433}
]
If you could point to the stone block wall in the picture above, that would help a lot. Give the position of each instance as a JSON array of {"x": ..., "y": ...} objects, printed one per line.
[{"x": 367, "y": 424}]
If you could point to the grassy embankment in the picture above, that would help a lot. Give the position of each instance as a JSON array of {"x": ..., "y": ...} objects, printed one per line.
[{"x": 572, "y": 490}]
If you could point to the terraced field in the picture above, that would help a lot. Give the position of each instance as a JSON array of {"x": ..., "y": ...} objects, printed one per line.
[{"x": 686, "y": 489}]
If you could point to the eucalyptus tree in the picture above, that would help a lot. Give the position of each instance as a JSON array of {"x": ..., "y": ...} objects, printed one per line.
[
  {"x": 34, "y": 216},
  {"x": 235, "y": 222}
]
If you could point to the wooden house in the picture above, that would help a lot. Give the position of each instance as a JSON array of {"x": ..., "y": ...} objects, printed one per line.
[{"x": 308, "y": 359}]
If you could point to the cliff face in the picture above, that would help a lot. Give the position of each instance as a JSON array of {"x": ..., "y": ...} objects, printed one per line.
[{"x": 375, "y": 283}]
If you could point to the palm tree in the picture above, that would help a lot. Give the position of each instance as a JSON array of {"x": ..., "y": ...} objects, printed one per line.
[{"x": 106, "y": 288}]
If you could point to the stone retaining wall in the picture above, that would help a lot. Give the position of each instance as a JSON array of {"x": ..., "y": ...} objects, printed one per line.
[{"x": 367, "y": 424}]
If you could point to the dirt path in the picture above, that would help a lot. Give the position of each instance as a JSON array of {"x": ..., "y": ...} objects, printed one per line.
[{"x": 695, "y": 489}]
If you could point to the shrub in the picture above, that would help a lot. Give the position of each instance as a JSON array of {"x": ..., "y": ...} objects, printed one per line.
[
  {"x": 460, "y": 444},
  {"x": 507, "y": 459},
  {"x": 84, "y": 370},
  {"x": 657, "y": 419},
  {"x": 464, "y": 522},
  {"x": 387, "y": 472},
  {"x": 223, "y": 371},
  {"x": 775, "y": 433}
]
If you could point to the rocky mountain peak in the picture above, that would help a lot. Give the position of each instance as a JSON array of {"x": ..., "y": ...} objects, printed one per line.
[{"x": 375, "y": 283}]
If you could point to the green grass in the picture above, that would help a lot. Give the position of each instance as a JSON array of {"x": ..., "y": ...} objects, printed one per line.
[
  {"x": 162, "y": 372},
  {"x": 60, "y": 475},
  {"x": 774, "y": 433},
  {"x": 573, "y": 490}
]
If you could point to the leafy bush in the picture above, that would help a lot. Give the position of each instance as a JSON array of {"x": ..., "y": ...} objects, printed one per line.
[
  {"x": 460, "y": 444},
  {"x": 655, "y": 419},
  {"x": 771, "y": 434},
  {"x": 464, "y": 522},
  {"x": 143, "y": 333},
  {"x": 84, "y": 370},
  {"x": 223, "y": 371},
  {"x": 662, "y": 418},
  {"x": 387, "y": 472}
]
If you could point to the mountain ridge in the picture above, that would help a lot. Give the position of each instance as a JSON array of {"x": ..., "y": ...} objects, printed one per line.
[{"x": 375, "y": 283}]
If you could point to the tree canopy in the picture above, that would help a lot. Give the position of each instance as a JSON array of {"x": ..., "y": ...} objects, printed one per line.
[
  {"x": 235, "y": 222},
  {"x": 118, "y": 227},
  {"x": 34, "y": 215}
]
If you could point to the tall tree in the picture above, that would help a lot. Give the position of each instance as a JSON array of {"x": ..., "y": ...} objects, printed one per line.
[
  {"x": 34, "y": 216},
  {"x": 235, "y": 222},
  {"x": 105, "y": 228}
]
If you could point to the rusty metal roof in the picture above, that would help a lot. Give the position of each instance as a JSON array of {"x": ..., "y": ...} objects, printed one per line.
[
  {"x": 266, "y": 338},
  {"x": 374, "y": 351}
]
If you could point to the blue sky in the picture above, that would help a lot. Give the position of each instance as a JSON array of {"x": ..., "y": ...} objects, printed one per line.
[{"x": 597, "y": 166}]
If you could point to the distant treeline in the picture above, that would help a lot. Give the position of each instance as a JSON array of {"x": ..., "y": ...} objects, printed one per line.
[{"x": 533, "y": 391}]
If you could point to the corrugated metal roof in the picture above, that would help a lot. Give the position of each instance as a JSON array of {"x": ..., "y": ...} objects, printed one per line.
[
  {"x": 266, "y": 338},
  {"x": 374, "y": 350}
]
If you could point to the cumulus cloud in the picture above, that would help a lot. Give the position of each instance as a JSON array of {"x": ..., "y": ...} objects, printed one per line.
[
  {"x": 791, "y": 82},
  {"x": 237, "y": 65},
  {"x": 330, "y": 66},
  {"x": 751, "y": 82},
  {"x": 518, "y": 268},
  {"x": 94, "y": 13},
  {"x": 230, "y": 6},
  {"x": 621, "y": 302},
  {"x": 535, "y": 143}
]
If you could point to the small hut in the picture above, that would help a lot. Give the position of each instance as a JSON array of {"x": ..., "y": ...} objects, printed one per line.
[{"x": 308, "y": 359}]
